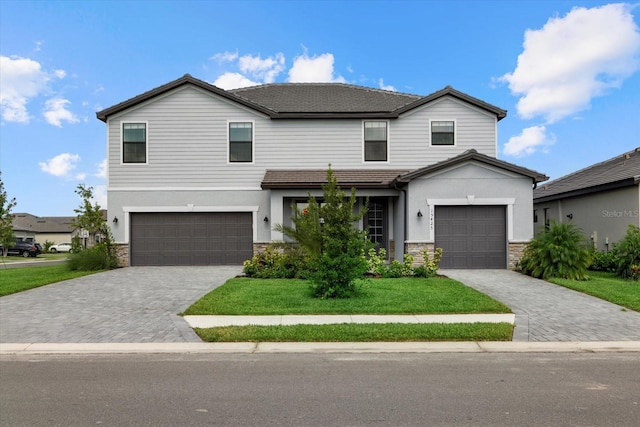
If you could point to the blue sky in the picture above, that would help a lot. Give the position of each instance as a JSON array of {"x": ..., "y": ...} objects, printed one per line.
[{"x": 566, "y": 71}]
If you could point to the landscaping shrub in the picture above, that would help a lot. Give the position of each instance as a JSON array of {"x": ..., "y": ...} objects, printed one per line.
[
  {"x": 430, "y": 265},
  {"x": 603, "y": 261},
  {"x": 277, "y": 262},
  {"x": 101, "y": 256},
  {"x": 98, "y": 257},
  {"x": 560, "y": 251},
  {"x": 626, "y": 253}
]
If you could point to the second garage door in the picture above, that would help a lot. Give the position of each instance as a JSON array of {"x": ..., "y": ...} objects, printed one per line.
[
  {"x": 471, "y": 236},
  {"x": 202, "y": 238}
]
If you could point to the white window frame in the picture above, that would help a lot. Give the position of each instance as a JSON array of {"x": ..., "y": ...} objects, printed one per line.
[
  {"x": 364, "y": 160},
  {"x": 146, "y": 143},
  {"x": 455, "y": 133},
  {"x": 253, "y": 142}
]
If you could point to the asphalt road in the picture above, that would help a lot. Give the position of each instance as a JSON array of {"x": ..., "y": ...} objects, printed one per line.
[{"x": 321, "y": 390}]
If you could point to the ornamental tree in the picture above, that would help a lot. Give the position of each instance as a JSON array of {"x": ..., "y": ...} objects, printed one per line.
[{"x": 7, "y": 238}]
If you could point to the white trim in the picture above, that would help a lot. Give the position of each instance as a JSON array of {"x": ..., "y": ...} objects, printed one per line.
[
  {"x": 190, "y": 208},
  {"x": 253, "y": 142},
  {"x": 469, "y": 201},
  {"x": 147, "y": 189},
  {"x": 146, "y": 142},
  {"x": 381, "y": 162},
  {"x": 455, "y": 132}
]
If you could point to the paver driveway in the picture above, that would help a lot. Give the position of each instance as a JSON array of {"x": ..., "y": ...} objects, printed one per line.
[
  {"x": 547, "y": 312},
  {"x": 135, "y": 304}
]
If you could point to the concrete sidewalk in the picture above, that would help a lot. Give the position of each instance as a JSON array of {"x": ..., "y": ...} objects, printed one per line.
[{"x": 30, "y": 349}]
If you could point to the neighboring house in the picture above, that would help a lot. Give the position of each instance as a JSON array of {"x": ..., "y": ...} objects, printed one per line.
[
  {"x": 602, "y": 199},
  {"x": 56, "y": 229},
  {"x": 199, "y": 175}
]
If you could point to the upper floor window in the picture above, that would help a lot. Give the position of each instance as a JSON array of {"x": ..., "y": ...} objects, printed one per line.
[
  {"x": 375, "y": 141},
  {"x": 241, "y": 142},
  {"x": 134, "y": 143},
  {"x": 442, "y": 132}
]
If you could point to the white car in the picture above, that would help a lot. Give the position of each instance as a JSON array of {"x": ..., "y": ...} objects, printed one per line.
[{"x": 60, "y": 247}]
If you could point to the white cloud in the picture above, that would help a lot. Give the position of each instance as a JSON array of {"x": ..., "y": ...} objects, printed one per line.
[
  {"x": 386, "y": 87},
  {"x": 225, "y": 57},
  {"x": 102, "y": 169},
  {"x": 316, "y": 69},
  {"x": 56, "y": 112},
  {"x": 263, "y": 69},
  {"x": 573, "y": 59},
  {"x": 22, "y": 79},
  {"x": 60, "y": 165},
  {"x": 233, "y": 81},
  {"x": 529, "y": 141}
]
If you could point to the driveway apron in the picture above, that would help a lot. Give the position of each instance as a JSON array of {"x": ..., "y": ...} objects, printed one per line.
[
  {"x": 135, "y": 304},
  {"x": 548, "y": 312}
]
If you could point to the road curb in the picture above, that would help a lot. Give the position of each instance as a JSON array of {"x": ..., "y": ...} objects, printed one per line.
[{"x": 17, "y": 349}]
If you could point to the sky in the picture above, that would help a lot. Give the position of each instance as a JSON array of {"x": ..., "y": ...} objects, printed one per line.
[{"x": 567, "y": 72}]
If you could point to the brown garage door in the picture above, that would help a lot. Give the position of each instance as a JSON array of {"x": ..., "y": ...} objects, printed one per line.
[
  {"x": 471, "y": 236},
  {"x": 203, "y": 238}
]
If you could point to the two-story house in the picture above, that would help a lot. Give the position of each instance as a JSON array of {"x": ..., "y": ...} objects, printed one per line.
[{"x": 198, "y": 175}]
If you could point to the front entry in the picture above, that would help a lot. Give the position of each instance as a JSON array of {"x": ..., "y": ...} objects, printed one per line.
[{"x": 377, "y": 222}]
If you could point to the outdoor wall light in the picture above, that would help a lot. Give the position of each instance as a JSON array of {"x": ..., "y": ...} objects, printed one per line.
[
  {"x": 419, "y": 213},
  {"x": 266, "y": 219},
  {"x": 115, "y": 219},
  {"x": 570, "y": 216}
]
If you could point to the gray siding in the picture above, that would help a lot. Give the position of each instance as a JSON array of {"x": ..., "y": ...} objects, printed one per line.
[{"x": 187, "y": 142}]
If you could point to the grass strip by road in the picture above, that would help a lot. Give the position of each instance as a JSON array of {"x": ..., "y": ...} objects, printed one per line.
[
  {"x": 354, "y": 332},
  {"x": 436, "y": 295},
  {"x": 606, "y": 286},
  {"x": 14, "y": 280}
]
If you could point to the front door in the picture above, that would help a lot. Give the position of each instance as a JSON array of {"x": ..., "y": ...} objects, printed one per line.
[{"x": 376, "y": 221}]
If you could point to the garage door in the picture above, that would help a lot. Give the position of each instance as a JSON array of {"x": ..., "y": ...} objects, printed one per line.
[
  {"x": 203, "y": 238},
  {"x": 471, "y": 236}
]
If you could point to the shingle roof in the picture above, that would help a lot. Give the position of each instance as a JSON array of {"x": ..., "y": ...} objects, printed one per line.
[
  {"x": 46, "y": 224},
  {"x": 324, "y": 98},
  {"x": 620, "y": 171},
  {"x": 315, "y": 178},
  {"x": 311, "y": 100},
  {"x": 473, "y": 155}
]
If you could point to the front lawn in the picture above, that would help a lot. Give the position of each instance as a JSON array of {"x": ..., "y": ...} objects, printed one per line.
[
  {"x": 244, "y": 296},
  {"x": 14, "y": 280},
  {"x": 436, "y": 295},
  {"x": 608, "y": 287}
]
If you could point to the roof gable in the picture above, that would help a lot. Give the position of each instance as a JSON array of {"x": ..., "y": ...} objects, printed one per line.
[
  {"x": 312, "y": 100},
  {"x": 620, "y": 171},
  {"x": 468, "y": 156}
]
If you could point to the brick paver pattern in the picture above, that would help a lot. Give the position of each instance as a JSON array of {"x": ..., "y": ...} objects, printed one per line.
[
  {"x": 135, "y": 304},
  {"x": 547, "y": 312}
]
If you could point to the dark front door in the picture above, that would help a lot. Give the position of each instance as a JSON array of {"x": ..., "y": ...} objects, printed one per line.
[{"x": 376, "y": 221}]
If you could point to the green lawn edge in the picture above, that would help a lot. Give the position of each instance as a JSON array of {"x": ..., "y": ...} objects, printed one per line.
[
  {"x": 14, "y": 280},
  {"x": 361, "y": 332},
  {"x": 606, "y": 286}
]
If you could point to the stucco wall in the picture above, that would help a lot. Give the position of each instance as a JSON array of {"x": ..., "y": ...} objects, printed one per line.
[
  {"x": 603, "y": 217},
  {"x": 468, "y": 184}
]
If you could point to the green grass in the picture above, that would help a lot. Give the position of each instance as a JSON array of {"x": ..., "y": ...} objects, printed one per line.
[
  {"x": 608, "y": 287},
  {"x": 437, "y": 295},
  {"x": 14, "y": 280},
  {"x": 360, "y": 333}
]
